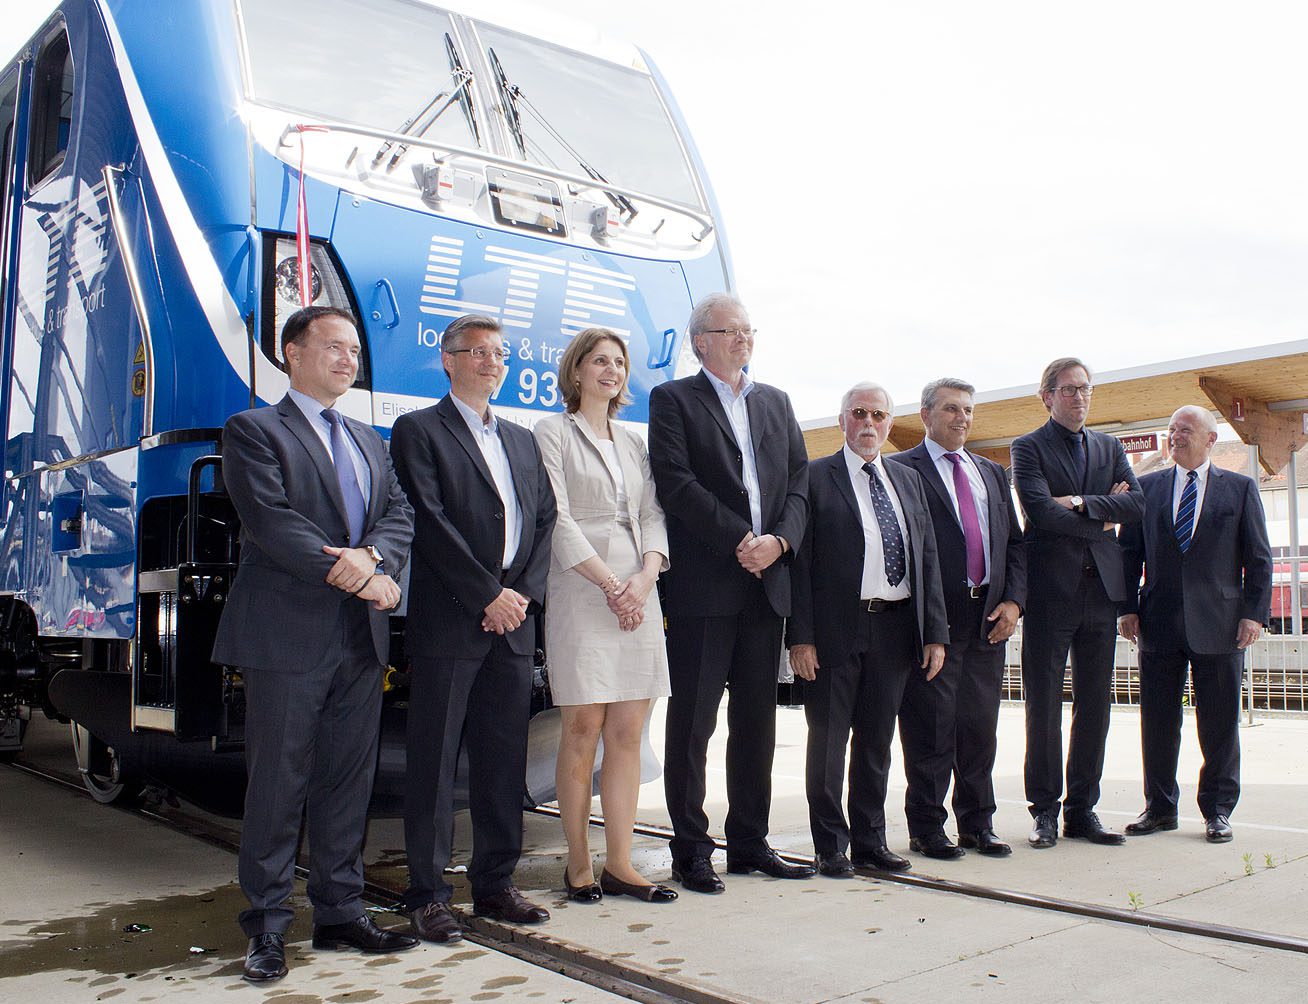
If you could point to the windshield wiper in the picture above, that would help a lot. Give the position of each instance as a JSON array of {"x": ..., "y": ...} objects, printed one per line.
[
  {"x": 512, "y": 94},
  {"x": 465, "y": 93},
  {"x": 424, "y": 120}
]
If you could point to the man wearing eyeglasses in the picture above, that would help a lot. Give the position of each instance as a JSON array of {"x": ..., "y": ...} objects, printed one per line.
[
  {"x": 732, "y": 475},
  {"x": 484, "y": 516},
  {"x": 1074, "y": 485},
  {"x": 868, "y": 613}
]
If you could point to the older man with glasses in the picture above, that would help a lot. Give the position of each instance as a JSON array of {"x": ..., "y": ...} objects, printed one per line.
[{"x": 1075, "y": 485}]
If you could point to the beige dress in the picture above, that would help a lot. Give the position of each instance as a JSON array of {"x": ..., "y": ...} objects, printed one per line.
[{"x": 607, "y": 507}]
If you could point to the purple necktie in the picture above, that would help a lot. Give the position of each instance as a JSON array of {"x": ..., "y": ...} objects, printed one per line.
[{"x": 976, "y": 555}]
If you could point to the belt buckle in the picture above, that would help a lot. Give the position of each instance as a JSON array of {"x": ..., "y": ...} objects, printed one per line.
[{"x": 976, "y": 592}]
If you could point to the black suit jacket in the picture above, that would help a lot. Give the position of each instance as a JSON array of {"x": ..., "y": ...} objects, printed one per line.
[
  {"x": 458, "y": 541},
  {"x": 1057, "y": 539},
  {"x": 1007, "y": 551},
  {"x": 1197, "y": 599},
  {"x": 828, "y": 568},
  {"x": 281, "y": 614},
  {"x": 698, "y": 472}
]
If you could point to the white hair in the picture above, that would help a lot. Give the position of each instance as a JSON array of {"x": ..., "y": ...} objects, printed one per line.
[{"x": 869, "y": 387}]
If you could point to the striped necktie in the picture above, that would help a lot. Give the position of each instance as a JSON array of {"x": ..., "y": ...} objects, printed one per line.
[{"x": 1185, "y": 511}]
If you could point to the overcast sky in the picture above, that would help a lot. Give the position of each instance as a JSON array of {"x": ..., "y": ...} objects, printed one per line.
[{"x": 917, "y": 188}]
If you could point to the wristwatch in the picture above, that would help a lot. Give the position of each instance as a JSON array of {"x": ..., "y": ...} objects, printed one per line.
[
  {"x": 376, "y": 556},
  {"x": 1078, "y": 504}
]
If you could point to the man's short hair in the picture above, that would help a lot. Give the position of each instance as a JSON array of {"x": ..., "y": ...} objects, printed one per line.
[
  {"x": 460, "y": 327},
  {"x": 699, "y": 317},
  {"x": 870, "y": 387},
  {"x": 1049, "y": 379},
  {"x": 931, "y": 390},
  {"x": 1204, "y": 415},
  {"x": 296, "y": 328}
]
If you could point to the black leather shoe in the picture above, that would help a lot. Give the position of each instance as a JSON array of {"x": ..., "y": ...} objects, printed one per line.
[
  {"x": 768, "y": 862},
  {"x": 883, "y": 859},
  {"x": 265, "y": 958},
  {"x": 985, "y": 842},
  {"x": 511, "y": 906},
  {"x": 1149, "y": 822},
  {"x": 697, "y": 875},
  {"x": 435, "y": 922},
  {"x": 363, "y": 934},
  {"x": 1087, "y": 825},
  {"x": 1044, "y": 830},
  {"x": 588, "y": 893},
  {"x": 1218, "y": 830},
  {"x": 649, "y": 893},
  {"x": 835, "y": 865},
  {"x": 936, "y": 845}
]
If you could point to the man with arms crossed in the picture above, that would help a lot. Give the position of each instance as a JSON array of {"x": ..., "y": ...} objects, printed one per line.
[
  {"x": 1074, "y": 484},
  {"x": 324, "y": 526},
  {"x": 1206, "y": 594},
  {"x": 732, "y": 476},
  {"x": 868, "y": 614},
  {"x": 484, "y": 513},
  {"x": 948, "y": 725}
]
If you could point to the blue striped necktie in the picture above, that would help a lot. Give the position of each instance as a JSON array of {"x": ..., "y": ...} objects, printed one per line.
[{"x": 1185, "y": 511}]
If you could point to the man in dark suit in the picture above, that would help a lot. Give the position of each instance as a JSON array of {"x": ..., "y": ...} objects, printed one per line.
[
  {"x": 1074, "y": 485},
  {"x": 948, "y": 725},
  {"x": 868, "y": 613},
  {"x": 484, "y": 518},
  {"x": 1207, "y": 593},
  {"x": 324, "y": 526},
  {"x": 732, "y": 475}
]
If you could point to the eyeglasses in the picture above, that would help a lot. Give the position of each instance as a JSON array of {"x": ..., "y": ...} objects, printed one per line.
[
  {"x": 481, "y": 353},
  {"x": 743, "y": 332},
  {"x": 861, "y": 414},
  {"x": 1075, "y": 389}
]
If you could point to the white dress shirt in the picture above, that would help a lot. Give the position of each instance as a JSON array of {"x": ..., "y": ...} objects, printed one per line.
[
  {"x": 313, "y": 410},
  {"x": 1178, "y": 486},
  {"x": 486, "y": 433},
  {"x": 738, "y": 415},
  {"x": 875, "y": 584},
  {"x": 945, "y": 468}
]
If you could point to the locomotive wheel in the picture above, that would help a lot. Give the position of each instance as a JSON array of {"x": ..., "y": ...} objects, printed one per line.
[{"x": 108, "y": 787}]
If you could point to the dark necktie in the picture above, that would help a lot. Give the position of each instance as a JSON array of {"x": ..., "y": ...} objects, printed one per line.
[
  {"x": 976, "y": 555},
  {"x": 892, "y": 541},
  {"x": 346, "y": 476},
  {"x": 1185, "y": 511},
  {"x": 1077, "y": 445}
]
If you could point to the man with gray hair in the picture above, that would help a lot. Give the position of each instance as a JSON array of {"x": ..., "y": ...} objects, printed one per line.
[
  {"x": 948, "y": 725},
  {"x": 732, "y": 475},
  {"x": 1203, "y": 549}
]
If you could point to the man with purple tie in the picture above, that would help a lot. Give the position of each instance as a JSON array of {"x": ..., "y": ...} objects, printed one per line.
[{"x": 948, "y": 724}]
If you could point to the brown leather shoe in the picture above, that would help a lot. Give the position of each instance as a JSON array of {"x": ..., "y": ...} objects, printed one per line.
[
  {"x": 511, "y": 906},
  {"x": 435, "y": 922}
]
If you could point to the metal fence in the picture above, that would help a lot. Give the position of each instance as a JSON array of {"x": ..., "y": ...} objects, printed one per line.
[{"x": 1275, "y": 678}]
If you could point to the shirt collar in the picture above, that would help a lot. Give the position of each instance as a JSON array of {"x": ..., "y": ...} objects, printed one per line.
[
  {"x": 1201, "y": 470},
  {"x": 475, "y": 422},
  {"x": 312, "y": 407},
  {"x": 936, "y": 451},
  {"x": 725, "y": 390},
  {"x": 1067, "y": 433},
  {"x": 855, "y": 462}
]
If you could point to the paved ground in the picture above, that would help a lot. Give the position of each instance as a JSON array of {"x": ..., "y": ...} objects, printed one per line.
[{"x": 75, "y": 875}]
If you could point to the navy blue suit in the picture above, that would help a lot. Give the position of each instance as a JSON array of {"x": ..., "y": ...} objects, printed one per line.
[{"x": 1190, "y": 606}]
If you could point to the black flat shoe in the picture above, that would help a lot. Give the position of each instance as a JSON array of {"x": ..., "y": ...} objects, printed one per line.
[
  {"x": 1218, "y": 830},
  {"x": 1150, "y": 822},
  {"x": 588, "y": 893},
  {"x": 936, "y": 845},
  {"x": 985, "y": 842},
  {"x": 362, "y": 934},
  {"x": 768, "y": 862},
  {"x": 882, "y": 858},
  {"x": 265, "y": 958},
  {"x": 649, "y": 893},
  {"x": 697, "y": 875},
  {"x": 834, "y": 865},
  {"x": 1044, "y": 831},
  {"x": 1088, "y": 826}
]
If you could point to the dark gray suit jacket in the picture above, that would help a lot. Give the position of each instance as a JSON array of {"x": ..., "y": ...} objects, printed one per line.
[
  {"x": 281, "y": 613},
  {"x": 458, "y": 541},
  {"x": 697, "y": 467},
  {"x": 828, "y": 569},
  {"x": 1197, "y": 599}
]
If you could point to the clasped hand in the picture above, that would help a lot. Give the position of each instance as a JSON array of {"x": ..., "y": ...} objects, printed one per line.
[
  {"x": 506, "y": 612},
  {"x": 627, "y": 602},
  {"x": 757, "y": 554}
]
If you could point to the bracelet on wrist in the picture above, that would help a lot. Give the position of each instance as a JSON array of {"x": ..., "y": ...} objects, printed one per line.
[{"x": 609, "y": 583}]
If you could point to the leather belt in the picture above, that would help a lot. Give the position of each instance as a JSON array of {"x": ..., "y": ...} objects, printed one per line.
[{"x": 881, "y": 606}]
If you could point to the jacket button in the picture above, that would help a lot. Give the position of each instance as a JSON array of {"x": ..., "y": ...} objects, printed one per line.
[{"x": 499, "y": 515}]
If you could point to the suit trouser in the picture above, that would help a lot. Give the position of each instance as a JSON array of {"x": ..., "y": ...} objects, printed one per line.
[
  {"x": 707, "y": 655},
  {"x": 310, "y": 740},
  {"x": 948, "y": 726},
  {"x": 484, "y": 705},
  {"x": 863, "y": 695},
  {"x": 1217, "y": 714},
  {"x": 1087, "y": 626}
]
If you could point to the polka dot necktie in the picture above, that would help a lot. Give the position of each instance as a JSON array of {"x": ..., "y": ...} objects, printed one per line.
[
  {"x": 1185, "y": 511},
  {"x": 892, "y": 541}
]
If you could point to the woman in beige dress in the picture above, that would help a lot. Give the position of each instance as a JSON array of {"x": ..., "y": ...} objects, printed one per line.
[{"x": 603, "y": 622}]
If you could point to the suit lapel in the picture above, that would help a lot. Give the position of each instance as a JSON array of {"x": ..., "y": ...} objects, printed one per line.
[
  {"x": 708, "y": 396},
  {"x": 1212, "y": 493},
  {"x": 926, "y": 467},
  {"x": 1057, "y": 444},
  {"x": 368, "y": 447},
  {"x": 521, "y": 460},
  {"x": 294, "y": 419},
  {"x": 757, "y": 422},
  {"x": 845, "y": 488},
  {"x": 587, "y": 433},
  {"x": 453, "y": 419},
  {"x": 996, "y": 489}
]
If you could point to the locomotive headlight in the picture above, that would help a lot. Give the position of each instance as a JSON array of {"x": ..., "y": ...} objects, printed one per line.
[{"x": 281, "y": 286}]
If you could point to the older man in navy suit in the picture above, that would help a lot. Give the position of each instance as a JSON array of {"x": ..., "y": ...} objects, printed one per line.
[{"x": 1205, "y": 597}]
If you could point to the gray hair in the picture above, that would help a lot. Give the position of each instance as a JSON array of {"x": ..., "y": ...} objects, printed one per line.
[
  {"x": 1203, "y": 414},
  {"x": 867, "y": 386},
  {"x": 452, "y": 338},
  {"x": 931, "y": 390},
  {"x": 699, "y": 317}
]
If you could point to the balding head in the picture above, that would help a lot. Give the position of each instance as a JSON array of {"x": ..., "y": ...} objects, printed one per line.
[{"x": 1191, "y": 435}]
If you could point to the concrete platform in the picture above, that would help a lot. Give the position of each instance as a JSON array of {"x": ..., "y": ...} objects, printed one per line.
[{"x": 75, "y": 874}]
